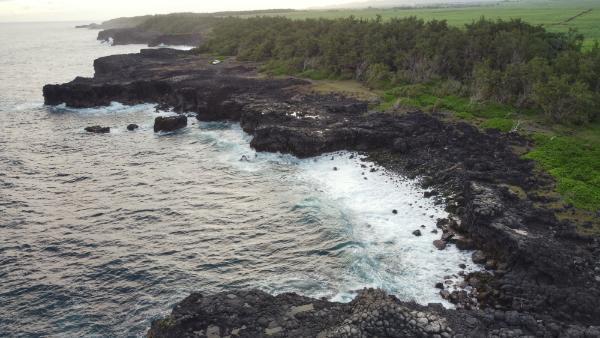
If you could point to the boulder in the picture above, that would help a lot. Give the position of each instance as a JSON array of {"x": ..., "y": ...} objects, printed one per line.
[
  {"x": 479, "y": 257},
  {"x": 400, "y": 146},
  {"x": 417, "y": 233},
  {"x": 463, "y": 243},
  {"x": 439, "y": 244},
  {"x": 132, "y": 127},
  {"x": 98, "y": 130},
  {"x": 169, "y": 123}
]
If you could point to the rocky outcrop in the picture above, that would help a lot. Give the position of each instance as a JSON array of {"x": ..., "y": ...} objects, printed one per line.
[
  {"x": 373, "y": 313},
  {"x": 134, "y": 35},
  {"x": 544, "y": 279},
  {"x": 169, "y": 123},
  {"x": 189, "y": 39},
  {"x": 98, "y": 130}
]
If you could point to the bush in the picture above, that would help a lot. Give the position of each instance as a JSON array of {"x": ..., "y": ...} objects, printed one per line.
[{"x": 563, "y": 101}]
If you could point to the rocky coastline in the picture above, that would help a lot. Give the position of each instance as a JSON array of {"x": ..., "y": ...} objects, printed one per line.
[
  {"x": 542, "y": 277},
  {"x": 134, "y": 35}
]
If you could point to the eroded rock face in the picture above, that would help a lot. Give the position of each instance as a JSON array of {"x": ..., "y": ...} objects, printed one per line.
[
  {"x": 372, "y": 314},
  {"x": 127, "y": 36},
  {"x": 542, "y": 268},
  {"x": 169, "y": 123}
]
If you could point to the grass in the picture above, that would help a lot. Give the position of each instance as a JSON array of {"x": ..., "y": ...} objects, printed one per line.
[
  {"x": 571, "y": 154},
  {"x": 554, "y": 15},
  {"x": 574, "y": 161},
  {"x": 347, "y": 87}
]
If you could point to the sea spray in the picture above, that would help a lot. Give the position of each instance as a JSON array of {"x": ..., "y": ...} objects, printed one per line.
[{"x": 378, "y": 245}]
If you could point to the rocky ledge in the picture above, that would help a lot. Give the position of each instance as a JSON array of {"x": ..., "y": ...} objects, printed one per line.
[
  {"x": 543, "y": 277},
  {"x": 127, "y": 36}
]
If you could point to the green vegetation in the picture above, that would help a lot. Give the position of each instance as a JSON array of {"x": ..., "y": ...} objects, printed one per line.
[
  {"x": 125, "y": 22},
  {"x": 554, "y": 15},
  {"x": 502, "y": 63},
  {"x": 575, "y": 162}
]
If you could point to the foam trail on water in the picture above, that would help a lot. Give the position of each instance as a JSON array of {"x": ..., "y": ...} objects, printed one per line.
[
  {"x": 389, "y": 255},
  {"x": 114, "y": 107},
  {"x": 382, "y": 251}
]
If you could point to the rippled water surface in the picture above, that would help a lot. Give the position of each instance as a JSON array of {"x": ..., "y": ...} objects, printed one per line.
[{"x": 100, "y": 234}]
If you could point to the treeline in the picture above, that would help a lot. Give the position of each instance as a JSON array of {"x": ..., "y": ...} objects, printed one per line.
[
  {"x": 508, "y": 62},
  {"x": 185, "y": 23}
]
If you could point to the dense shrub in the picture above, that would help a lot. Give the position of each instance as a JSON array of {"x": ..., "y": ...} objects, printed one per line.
[{"x": 504, "y": 62}]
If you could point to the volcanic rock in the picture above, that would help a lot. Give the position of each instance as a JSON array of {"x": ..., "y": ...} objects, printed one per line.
[
  {"x": 169, "y": 123},
  {"x": 439, "y": 244},
  {"x": 98, "y": 130}
]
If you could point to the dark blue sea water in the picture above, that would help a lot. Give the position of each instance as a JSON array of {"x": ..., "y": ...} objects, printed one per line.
[{"x": 100, "y": 234}]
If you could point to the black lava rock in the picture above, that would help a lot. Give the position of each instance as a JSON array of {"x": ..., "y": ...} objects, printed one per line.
[
  {"x": 170, "y": 123},
  {"x": 98, "y": 130}
]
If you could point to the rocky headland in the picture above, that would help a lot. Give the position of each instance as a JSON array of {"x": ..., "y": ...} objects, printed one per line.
[
  {"x": 542, "y": 278},
  {"x": 134, "y": 35}
]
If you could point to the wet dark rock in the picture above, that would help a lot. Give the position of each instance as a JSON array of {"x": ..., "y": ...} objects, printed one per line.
[
  {"x": 448, "y": 236},
  {"x": 439, "y": 286},
  {"x": 464, "y": 243},
  {"x": 169, "y": 123},
  {"x": 491, "y": 264},
  {"x": 429, "y": 194},
  {"x": 439, "y": 244},
  {"x": 132, "y": 127},
  {"x": 372, "y": 314},
  {"x": 417, "y": 233},
  {"x": 98, "y": 130},
  {"x": 479, "y": 257},
  {"x": 395, "y": 212}
]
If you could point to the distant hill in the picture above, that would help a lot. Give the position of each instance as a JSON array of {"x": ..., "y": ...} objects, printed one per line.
[{"x": 125, "y": 22}]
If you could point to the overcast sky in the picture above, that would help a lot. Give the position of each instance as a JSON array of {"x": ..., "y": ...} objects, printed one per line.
[{"x": 97, "y": 10}]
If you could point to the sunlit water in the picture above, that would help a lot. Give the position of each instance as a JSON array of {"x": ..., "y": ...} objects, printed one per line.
[{"x": 100, "y": 234}]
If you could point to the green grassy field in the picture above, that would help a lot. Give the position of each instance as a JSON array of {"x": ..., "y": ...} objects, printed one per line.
[{"x": 557, "y": 15}]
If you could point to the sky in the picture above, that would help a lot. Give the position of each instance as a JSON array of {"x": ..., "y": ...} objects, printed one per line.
[{"x": 98, "y": 10}]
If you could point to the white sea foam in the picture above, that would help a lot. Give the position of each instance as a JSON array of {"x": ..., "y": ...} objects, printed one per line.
[
  {"x": 114, "y": 107},
  {"x": 384, "y": 252},
  {"x": 178, "y": 47},
  {"x": 389, "y": 255}
]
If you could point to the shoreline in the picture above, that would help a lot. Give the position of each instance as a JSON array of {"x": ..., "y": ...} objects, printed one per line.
[{"x": 543, "y": 268}]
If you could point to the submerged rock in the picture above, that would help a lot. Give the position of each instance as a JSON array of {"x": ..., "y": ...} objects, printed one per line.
[
  {"x": 98, "y": 130},
  {"x": 169, "y": 123},
  {"x": 132, "y": 127},
  {"x": 417, "y": 233}
]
